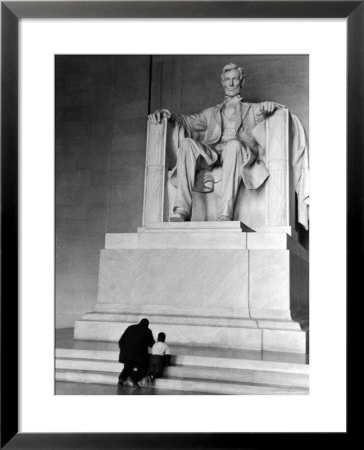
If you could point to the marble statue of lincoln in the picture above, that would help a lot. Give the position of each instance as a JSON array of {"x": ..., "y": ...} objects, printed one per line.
[{"x": 224, "y": 139}]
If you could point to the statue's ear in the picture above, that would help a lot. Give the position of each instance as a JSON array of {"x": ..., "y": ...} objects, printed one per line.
[{"x": 242, "y": 83}]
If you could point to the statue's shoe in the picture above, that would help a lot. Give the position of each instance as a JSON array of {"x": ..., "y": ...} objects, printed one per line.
[
  {"x": 222, "y": 218},
  {"x": 179, "y": 215}
]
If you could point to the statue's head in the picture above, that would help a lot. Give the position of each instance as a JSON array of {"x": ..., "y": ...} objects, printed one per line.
[{"x": 232, "y": 79}]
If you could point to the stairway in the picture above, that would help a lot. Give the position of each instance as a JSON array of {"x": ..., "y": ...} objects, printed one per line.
[{"x": 194, "y": 370}]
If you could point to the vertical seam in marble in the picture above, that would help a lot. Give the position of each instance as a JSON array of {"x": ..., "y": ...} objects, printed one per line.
[
  {"x": 250, "y": 316},
  {"x": 150, "y": 83},
  {"x": 161, "y": 84},
  {"x": 246, "y": 237},
  {"x": 110, "y": 165},
  {"x": 180, "y": 94}
]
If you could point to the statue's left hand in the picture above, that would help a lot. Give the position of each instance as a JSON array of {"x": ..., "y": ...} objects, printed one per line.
[{"x": 268, "y": 107}]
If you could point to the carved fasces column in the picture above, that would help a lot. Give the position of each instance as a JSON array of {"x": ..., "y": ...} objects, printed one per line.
[
  {"x": 155, "y": 173},
  {"x": 279, "y": 189}
]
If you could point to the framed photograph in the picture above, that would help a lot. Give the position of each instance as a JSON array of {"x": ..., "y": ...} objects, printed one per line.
[{"x": 92, "y": 161}]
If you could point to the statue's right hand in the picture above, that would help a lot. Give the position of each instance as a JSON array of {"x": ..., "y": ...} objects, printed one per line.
[{"x": 158, "y": 115}]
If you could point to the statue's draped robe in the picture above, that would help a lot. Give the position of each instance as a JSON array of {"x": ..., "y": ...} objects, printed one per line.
[{"x": 206, "y": 128}]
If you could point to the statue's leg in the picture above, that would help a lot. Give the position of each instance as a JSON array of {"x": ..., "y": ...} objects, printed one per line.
[
  {"x": 188, "y": 161},
  {"x": 232, "y": 159}
]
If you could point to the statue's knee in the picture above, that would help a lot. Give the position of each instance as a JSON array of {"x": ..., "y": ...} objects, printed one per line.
[
  {"x": 186, "y": 144},
  {"x": 186, "y": 147}
]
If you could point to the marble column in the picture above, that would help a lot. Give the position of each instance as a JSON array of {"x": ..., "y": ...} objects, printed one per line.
[
  {"x": 155, "y": 173},
  {"x": 279, "y": 189}
]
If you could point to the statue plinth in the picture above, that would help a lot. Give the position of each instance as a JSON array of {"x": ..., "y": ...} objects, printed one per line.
[{"x": 203, "y": 283}]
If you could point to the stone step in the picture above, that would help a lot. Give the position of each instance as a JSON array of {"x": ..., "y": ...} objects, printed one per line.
[
  {"x": 227, "y": 322},
  {"x": 175, "y": 320},
  {"x": 195, "y": 225},
  {"x": 181, "y": 384},
  {"x": 255, "y": 339},
  {"x": 65, "y": 340},
  {"x": 197, "y": 238},
  {"x": 242, "y": 363},
  {"x": 196, "y": 372}
]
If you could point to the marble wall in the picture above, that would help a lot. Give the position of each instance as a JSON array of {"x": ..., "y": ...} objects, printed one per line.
[{"x": 101, "y": 106}]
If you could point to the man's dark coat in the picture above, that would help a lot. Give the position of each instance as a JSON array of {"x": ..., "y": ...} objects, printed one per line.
[{"x": 134, "y": 344}]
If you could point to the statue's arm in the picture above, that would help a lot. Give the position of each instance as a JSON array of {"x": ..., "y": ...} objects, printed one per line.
[{"x": 192, "y": 122}]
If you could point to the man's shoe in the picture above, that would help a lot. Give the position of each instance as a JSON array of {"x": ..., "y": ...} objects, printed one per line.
[
  {"x": 136, "y": 384},
  {"x": 120, "y": 383}
]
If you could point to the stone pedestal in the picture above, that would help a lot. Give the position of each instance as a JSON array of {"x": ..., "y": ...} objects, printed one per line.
[
  {"x": 217, "y": 284},
  {"x": 203, "y": 283}
]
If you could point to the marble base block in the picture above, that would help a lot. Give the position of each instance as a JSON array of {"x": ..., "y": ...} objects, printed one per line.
[
  {"x": 203, "y": 283},
  {"x": 208, "y": 280},
  {"x": 284, "y": 340},
  {"x": 202, "y": 335}
]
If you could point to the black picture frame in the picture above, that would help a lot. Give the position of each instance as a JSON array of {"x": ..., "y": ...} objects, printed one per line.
[{"x": 11, "y": 12}]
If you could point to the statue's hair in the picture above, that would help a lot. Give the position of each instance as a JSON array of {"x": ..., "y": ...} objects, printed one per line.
[{"x": 233, "y": 66}]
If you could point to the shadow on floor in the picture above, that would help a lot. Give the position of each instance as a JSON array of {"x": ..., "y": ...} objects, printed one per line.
[{"x": 67, "y": 388}]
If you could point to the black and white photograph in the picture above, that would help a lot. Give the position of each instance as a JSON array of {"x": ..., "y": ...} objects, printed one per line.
[
  {"x": 182, "y": 224},
  {"x": 181, "y": 214}
]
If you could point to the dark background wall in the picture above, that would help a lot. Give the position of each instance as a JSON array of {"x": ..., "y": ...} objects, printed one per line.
[{"x": 101, "y": 108}]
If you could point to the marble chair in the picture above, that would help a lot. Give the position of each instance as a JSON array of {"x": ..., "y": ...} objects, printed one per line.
[{"x": 266, "y": 208}]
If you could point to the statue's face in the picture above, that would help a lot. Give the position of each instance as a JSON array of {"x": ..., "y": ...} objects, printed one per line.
[{"x": 231, "y": 83}]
